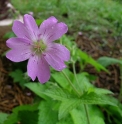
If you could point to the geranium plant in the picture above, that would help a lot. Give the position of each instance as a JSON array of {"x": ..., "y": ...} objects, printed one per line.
[{"x": 67, "y": 97}]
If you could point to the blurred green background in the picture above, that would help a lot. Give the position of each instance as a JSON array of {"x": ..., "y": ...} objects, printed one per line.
[{"x": 99, "y": 16}]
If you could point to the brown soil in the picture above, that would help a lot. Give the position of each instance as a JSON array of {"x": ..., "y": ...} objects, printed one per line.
[{"x": 98, "y": 47}]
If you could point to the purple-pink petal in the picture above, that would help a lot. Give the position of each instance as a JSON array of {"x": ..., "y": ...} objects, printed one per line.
[
  {"x": 59, "y": 50},
  {"x": 54, "y": 61},
  {"x": 31, "y": 26},
  {"x": 38, "y": 67},
  {"x": 47, "y": 24},
  {"x": 17, "y": 43},
  {"x": 20, "y": 30},
  {"x": 55, "y": 32},
  {"x": 18, "y": 55},
  {"x": 32, "y": 67},
  {"x": 43, "y": 71}
]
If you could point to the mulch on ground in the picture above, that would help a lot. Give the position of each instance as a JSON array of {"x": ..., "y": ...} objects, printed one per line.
[{"x": 98, "y": 47}]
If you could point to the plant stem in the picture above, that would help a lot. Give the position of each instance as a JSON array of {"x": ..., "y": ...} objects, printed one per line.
[
  {"x": 87, "y": 114},
  {"x": 85, "y": 106},
  {"x": 75, "y": 90},
  {"x": 74, "y": 71}
]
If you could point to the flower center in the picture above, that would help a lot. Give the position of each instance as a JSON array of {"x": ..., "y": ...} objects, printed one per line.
[{"x": 39, "y": 47}]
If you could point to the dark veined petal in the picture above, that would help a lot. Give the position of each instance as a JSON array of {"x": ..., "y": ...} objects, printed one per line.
[
  {"x": 59, "y": 50},
  {"x": 31, "y": 25}
]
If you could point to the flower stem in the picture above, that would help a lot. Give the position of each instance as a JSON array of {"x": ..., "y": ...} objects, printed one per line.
[
  {"x": 75, "y": 90},
  {"x": 74, "y": 71},
  {"x": 85, "y": 106}
]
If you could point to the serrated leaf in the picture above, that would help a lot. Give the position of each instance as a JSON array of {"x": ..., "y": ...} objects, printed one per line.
[
  {"x": 57, "y": 93},
  {"x": 46, "y": 114},
  {"x": 90, "y": 60},
  {"x": 66, "y": 106},
  {"x": 14, "y": 118},
  {"x": 106, "y": 61},
  {"x": 38, "y": 89},
  {"x": 79, "y": 115},
  {"x": 3, "y": 117},
  {"x": 94, "y": 98}
]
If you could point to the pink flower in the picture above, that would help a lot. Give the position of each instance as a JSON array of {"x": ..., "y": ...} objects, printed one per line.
[{"x": 36, "y": 44}]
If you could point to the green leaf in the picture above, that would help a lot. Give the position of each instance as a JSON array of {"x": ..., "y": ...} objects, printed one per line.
[
  {"x": 28, "y": 117},
  {"x": 66, "y": 106},
  {"x": 87, "y": 98},
  {"x": 46, "y": 114},
  {"x": 3, "y": 117},
  {"x": 67, "y": 120},
  {"x": 102, "y": 91},
  {"x": 82, "y": 83},
  {"x": 57, "y": 93},
  {"x": 38, "y": 88},
  {"x": 91, "y": 61},
  {"x": 113, "y": 111},
  {"x": 18, "y": 76},
  {"x": 61, "y": 80},
  {"x": 106, "y": 61},
  {"x": 79, "y": 115},
  {"x": 9, "y": 35},
  {"x": 14, "y": 117},
  {"x": 94, "y": 98}
]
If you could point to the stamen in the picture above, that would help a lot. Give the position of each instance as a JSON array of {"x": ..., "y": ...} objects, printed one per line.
[{"x": 39, "y": 47}]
